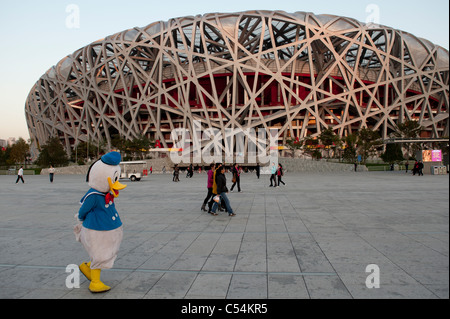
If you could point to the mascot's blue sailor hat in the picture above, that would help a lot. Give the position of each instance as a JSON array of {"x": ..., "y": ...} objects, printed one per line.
[{"x": 111, "y": 158}]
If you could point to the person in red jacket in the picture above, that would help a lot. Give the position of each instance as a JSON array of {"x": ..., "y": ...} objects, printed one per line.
[
  {"x": 209, "y": 185},
  {"x": 280, "y": 174}
]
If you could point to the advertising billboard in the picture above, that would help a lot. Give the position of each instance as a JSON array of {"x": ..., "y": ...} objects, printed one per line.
[{"x": 432, "y": 156}]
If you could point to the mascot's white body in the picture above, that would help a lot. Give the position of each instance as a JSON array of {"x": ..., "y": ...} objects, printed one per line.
[{"x": 100, "y": 228}]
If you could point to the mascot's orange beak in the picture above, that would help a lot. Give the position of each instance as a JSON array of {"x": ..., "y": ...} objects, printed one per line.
[{"x": 116, "y": 187}]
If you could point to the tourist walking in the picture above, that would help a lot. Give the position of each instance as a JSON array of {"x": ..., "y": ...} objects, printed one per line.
[
  {"x": 51, "y": 173},
  {"x": 416, "y": 167},
  {"x": 209, "y": 185},
  {"x": 280, "y": 173},
  {"x": 20, "y": 175},
  {"x": 236, "y": 177},
  {"x": 176, "y": 173},
  {"x": 258, "y": 170},
  {"x": 214, "y": 190},
  {"x": 222, "y": 190},
  {"x": 273, "y": 172},
  {"x": 420, "y": 168},
  {"x": 190, "y": 171},
  {"x": 406, "y": 166}
]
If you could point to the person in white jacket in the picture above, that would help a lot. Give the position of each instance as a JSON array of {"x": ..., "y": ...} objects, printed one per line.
[
  {"x": 51, "y": 173},
  {"x": 20, "y": 175}
]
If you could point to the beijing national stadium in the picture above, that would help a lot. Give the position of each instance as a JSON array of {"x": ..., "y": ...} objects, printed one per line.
[{"x": 297, "y": 72}]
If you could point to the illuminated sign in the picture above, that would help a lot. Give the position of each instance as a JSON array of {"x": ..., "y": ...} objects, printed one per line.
[
  {"x": 432, "y": 156},
  {"x": 436, "y": 156}
]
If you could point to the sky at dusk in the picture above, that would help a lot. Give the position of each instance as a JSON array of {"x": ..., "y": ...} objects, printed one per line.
[{"x": 37, "y": 34}]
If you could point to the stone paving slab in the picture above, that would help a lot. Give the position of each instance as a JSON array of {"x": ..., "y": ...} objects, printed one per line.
[{"x": 310, "y": 239}]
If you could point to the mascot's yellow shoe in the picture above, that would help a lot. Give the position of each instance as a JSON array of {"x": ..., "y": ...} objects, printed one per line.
[
  {"x": 96, "y": 285},
  {"x": 85, "y": 268}
]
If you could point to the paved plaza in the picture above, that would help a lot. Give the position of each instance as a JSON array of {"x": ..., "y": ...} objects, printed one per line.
[{"x": 311, "y": 239}]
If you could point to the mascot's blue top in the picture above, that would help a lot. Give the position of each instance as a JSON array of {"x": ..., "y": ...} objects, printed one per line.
[
  {"x": 97, "y": 210},
  {"x": 97, "y": 214}
]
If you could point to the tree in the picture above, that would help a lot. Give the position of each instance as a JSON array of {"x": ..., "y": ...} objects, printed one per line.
[
  {"x": 138, "y": 146},
  {"x": 316, "y": 154},
  {"x": 20, "y": 151},
  {"x": 294, "y": 144},
  {"x": 310, "y": 145},
  {"x": 393, "y": 154},
  {"x": 329, "y": 139},
  {"x": 52, "y": 153},
  {"x": 5, "y": 156},
  {"x": 407, "y": 130},
  {"x": 350, "y": 148},
  {"x": 135, "y": 148},
  {"x": 119, "y": 143},
  {"x": 368, "y": 142},
  {"x": 84, "y": 151}
]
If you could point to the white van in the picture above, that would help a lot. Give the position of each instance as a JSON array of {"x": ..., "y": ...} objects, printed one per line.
[{"x": 133, "y": 170}]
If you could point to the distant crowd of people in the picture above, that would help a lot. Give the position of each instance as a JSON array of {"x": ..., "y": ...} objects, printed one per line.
[
  {"x": 217, "y": 198},
  {"x": 417, "y": 169},
  {"x": 217, "y": 190}
]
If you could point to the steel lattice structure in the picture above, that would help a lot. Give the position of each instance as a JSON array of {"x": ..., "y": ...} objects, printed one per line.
[{"x": 298, "y": 72}]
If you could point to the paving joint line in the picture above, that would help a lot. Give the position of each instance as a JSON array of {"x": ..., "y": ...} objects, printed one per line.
[{"x": 181, "y": 271}]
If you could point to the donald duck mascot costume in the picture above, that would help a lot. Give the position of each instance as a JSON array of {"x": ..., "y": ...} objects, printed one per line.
[{"x": 100, "y": 228}]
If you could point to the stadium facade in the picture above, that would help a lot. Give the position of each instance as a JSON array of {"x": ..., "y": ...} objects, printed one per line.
[{"x": 298, "y": 72}]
